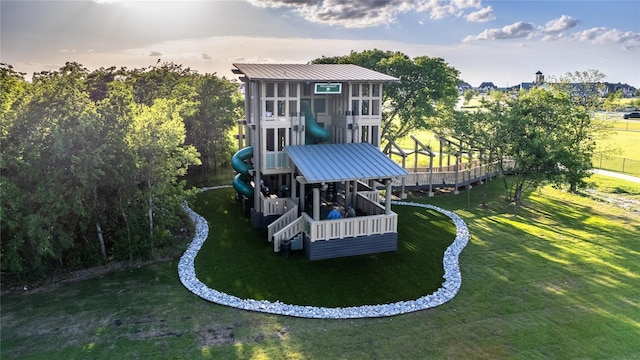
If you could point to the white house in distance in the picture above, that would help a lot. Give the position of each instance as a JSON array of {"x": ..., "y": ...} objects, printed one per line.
[{"x": 309, "y": 144}]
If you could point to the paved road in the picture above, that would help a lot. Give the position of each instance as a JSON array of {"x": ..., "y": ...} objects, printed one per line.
[{"x": 617, "y": 175}]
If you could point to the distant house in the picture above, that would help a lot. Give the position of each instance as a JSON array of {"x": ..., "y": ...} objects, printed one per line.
[
  {"x": 486, "y": 87},
  {"x": 626, "y": 89},
  {"x": 463, "y": 86}
]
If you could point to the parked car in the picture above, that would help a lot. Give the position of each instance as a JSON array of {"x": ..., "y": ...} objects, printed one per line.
[{"x": 632, "y": 115}]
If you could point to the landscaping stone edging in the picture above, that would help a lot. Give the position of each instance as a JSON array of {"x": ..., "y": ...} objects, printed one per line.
[{"x": 448, "y": 290}]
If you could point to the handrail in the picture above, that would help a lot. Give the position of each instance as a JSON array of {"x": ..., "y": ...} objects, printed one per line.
[
  {"x": 282, "y": 222},
  {"x": 289, "y": 231},
  {"x": 277, "y": 206},
  {"x": 440, "y": 178}
]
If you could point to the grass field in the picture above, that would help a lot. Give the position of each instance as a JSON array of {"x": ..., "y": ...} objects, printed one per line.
[
  {"x": 239, "y": 261},
  {"x": 559, "y": 282}
]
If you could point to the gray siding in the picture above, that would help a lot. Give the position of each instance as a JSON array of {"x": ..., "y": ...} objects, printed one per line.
[{"x": 361, "y": 245}]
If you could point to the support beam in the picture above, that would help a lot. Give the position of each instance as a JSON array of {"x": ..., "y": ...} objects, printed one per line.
[
  {"x": 316, "y": 202},
  {"x": 294, "y": 194},
  {"x": 354, "y": 198},
  {"x": 387, "y": 199},
  {"x": 257, "y": 144}
]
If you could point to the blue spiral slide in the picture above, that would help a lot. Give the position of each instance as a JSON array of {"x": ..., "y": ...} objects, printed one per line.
[
  {"x": 241, "y": 182},
  {"x": 314, "y": 132}
]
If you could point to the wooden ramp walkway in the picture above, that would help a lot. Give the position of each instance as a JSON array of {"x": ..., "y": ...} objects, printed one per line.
[{"x": 454, "y": 176}]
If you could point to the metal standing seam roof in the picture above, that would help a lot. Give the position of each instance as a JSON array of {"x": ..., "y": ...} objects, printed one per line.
[
  {"x": 339, "y": 162},
  {"x": 311, "y": 72}
]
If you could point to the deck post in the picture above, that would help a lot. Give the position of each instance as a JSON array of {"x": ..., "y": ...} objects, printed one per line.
[
  {"x": 316, "y": 202},
  {"x": 354, "y": 197},
  {"x": 387, "y": 199},
  {"x": 431, "y": 193},
  {"x": 294, "y": 194},
  {"x": 457, "y": 166},
  {"x": 257, "y": 149}
]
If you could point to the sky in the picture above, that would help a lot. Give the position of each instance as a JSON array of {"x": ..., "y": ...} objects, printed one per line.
[{"x": 502, "y": 41}]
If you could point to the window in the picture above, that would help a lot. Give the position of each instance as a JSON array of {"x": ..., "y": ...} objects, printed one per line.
[
  {"x": 306, "y": 90},
  {"x": 268, "y": 108},
  {"x": 364, "y": 131},
  {"x": 375, "y": 107},
  {"x": 365, "y": 107},
  {"x": 293, "y": 107},
  {"x": 270, "y": 87},
  {"x": 376, "y": 90},
  {"x": 355, "y": 107},
  {"x": 293, "y": 90},
  {"x": 355, "y": 90},
  {"x": 282, "y": 140},
  {"x": 270, "y": 140},
  {"x": 282, "y": 108},
  {"x": 282, "y": 90},
  {"x": 319, "y": 106},
  {"x": 374, "y": 136},
  {"x": 365, "y": 89}
]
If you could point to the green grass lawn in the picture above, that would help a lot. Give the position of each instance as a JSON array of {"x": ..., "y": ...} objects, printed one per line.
[
  {"x": 562, "y": 281},
  {"x": 239, "y": 261}
]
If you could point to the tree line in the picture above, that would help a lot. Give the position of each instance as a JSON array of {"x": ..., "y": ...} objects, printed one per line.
[{"x": 93, "y": 162}]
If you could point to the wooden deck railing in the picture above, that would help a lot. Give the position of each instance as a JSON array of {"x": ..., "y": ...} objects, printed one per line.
[
  {"x": 449, "y": 178},
  {"x": 375, "y": 222},
  {"x": 287, "y": 232},
  {"x": 282, "y": 222},
  {"x": 350, "y": 227},
  {"x": 276, "y": 206}
]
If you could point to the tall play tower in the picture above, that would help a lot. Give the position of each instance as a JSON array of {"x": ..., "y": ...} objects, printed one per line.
[{"x": 309, "y": 144}]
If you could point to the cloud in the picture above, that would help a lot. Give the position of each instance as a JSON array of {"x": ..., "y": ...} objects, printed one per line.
[
  {"x": 481, "y": 15},
  {"x": 560, "y": 24},
  {"x": 367, "y": 13},
  {"x": 206, "y": 57},
  {"x": 602, "y": 36},
  {"x": 556, "y": 29},
  {"x": 155, "y": 53},
  {"x": 517, "y": 30}
]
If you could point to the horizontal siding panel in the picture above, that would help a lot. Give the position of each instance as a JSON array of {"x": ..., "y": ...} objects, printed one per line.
[{"x": 362, "y": 245}]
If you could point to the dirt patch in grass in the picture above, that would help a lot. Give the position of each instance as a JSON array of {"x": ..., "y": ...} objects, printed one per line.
[{"x": 215, "y": 336}]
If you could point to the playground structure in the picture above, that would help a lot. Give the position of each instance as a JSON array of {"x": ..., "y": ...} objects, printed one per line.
[
  {"x": 472, "y": 165},
  {"x": 309, "y": 144}
]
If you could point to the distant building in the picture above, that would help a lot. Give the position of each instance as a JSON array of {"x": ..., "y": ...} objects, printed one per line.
[
  {"x": 626, "y": 89},
  {"x": 463, "y": 86},
  {"x": 486, "y": 87},
  {"x": 538, "y": 82},
  {"x": 539, "y": 78}
]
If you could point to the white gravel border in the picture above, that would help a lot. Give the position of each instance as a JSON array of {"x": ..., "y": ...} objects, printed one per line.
[{"x": 449, "y": 289}]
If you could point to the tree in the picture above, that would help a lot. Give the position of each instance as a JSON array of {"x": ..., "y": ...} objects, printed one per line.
[
  {"x": 468, "y": 95},
  {"x": 548, "y": 137},
  {"x": 425, "y": 94},
  {"x": 219, "y": 107},
  {"x": 613, "y": 101},
  {"x": 585, "y": 89},
  {"x": 52, "y": 165},
  {"x": 160, "y": 81},
  {"x": 82, "y": 166},
  {"x": 156, "y": 138}
]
